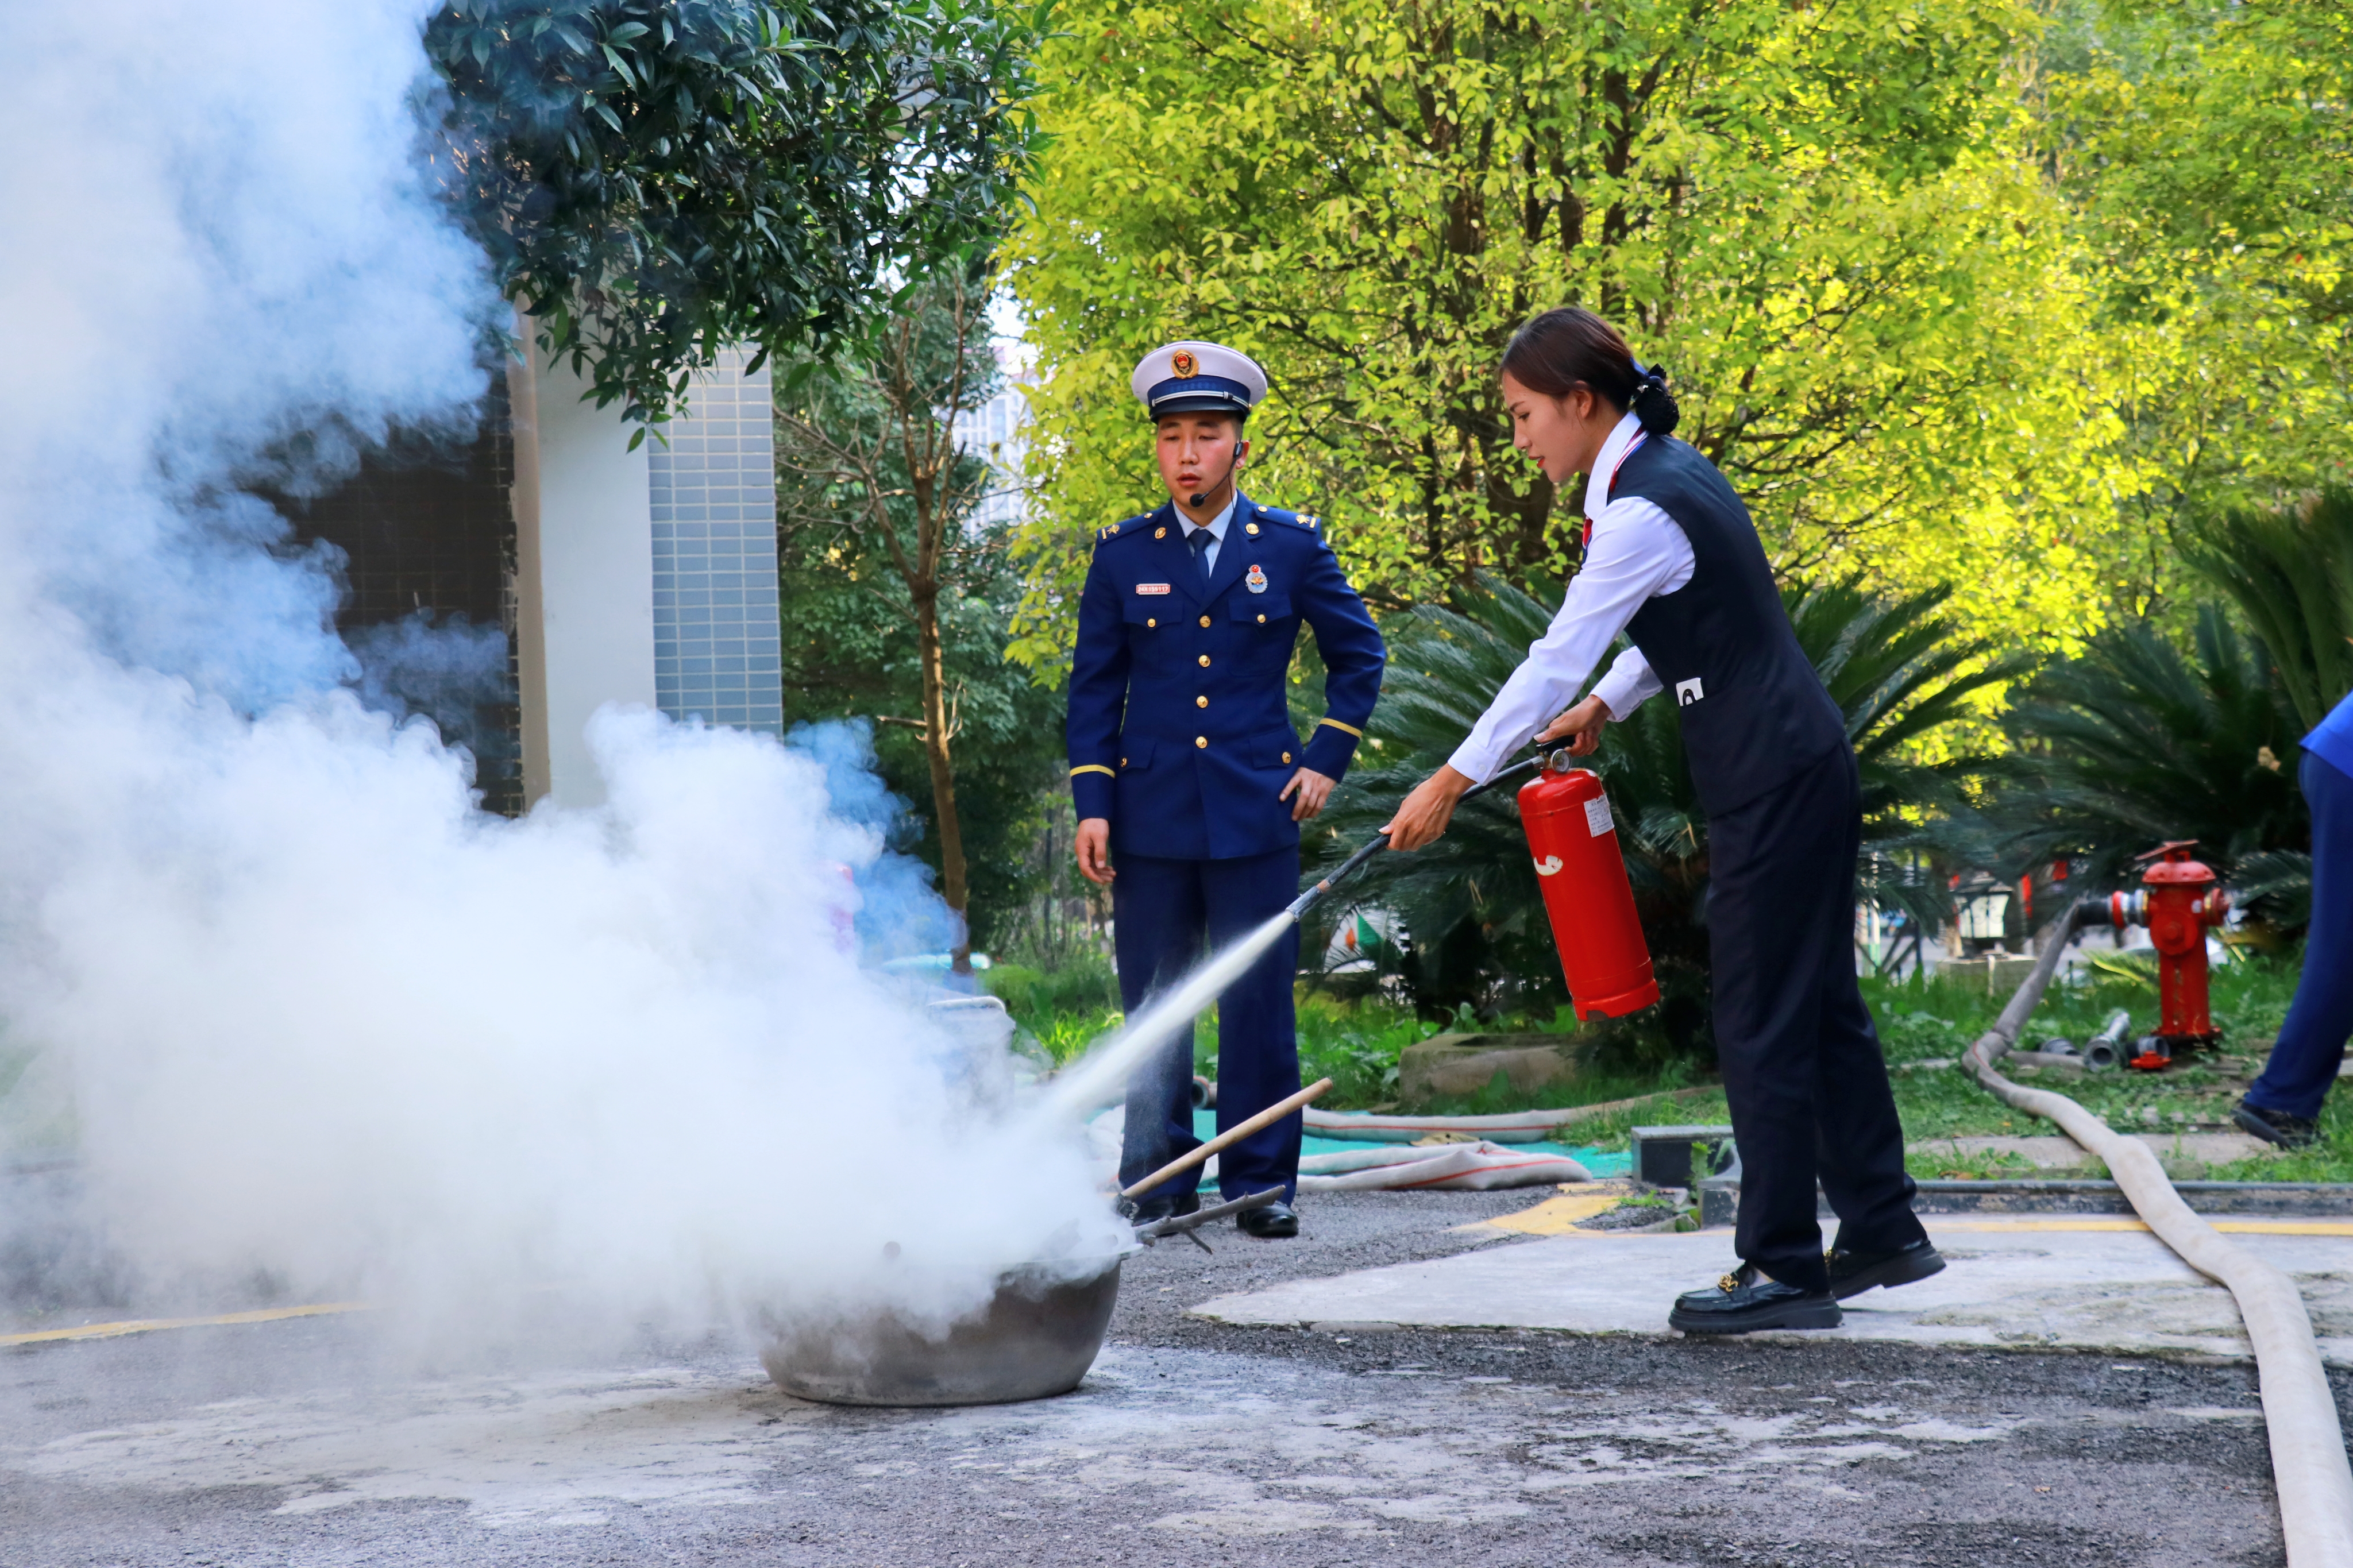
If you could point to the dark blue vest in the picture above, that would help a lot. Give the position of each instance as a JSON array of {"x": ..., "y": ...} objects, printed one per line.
[{"x": 1754, "y": 711}]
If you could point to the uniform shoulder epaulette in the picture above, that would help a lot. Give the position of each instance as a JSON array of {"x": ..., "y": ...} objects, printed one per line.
[
  {"x": 1307, "y": 520},
  {"x": 1126, "y": 528}
]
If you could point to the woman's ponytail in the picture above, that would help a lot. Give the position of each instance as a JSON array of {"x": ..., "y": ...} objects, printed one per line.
[
  {"x": 1652, "y": 402},
  {"x": 1570, "y": 348}
]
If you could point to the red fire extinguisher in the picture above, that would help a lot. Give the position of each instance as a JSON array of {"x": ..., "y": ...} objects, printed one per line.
[{"x": 1574, "y": 843}]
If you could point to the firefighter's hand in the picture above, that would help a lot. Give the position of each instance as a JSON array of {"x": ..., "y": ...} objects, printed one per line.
[
  {"x": 1094, "y": 851},
  {"x": 1313, "y": 789},
  {"x": 1586, "y": 722},
  {"x": 1426, "y": 811}
]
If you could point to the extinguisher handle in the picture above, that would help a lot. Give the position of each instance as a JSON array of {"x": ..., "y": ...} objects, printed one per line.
[
  {"x": 1515, "y": 770},
  {"x": 1380, "y": 841}
]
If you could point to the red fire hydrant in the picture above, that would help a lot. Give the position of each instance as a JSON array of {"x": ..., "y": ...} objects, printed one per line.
[{"x": 2177, "y": 902}]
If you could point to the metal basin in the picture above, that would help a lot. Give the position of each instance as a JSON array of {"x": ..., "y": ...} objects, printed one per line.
[{"x": 1040, "y": 1332}]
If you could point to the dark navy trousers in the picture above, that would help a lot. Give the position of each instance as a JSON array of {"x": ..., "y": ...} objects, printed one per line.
[
  {"x": 1801, "y": 1064},
  {"x": 1166, "y": 911},
  {"x": 2311, "y": 1044}
]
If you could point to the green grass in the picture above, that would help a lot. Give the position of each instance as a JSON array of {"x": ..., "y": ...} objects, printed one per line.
[
  {"x": 1357, "y": 1044},
  {"x": 1921, "y": 1022}
]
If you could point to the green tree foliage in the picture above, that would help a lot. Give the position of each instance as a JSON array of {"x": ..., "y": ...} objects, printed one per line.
[
  {"x": 2136, "y": 742},
  {"x": 2208, "y": 150},
  {"x": 657, "y": 180},
  {"x": 1822, "y": 218},
  {"x": 894, "y": 599},
  {"x": 2289, "y": 571},
  {"x": 1900, "y": 669}
]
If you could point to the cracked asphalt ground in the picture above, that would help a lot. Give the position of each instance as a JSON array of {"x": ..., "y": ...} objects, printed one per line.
[{"x": 298, "y": 1443}]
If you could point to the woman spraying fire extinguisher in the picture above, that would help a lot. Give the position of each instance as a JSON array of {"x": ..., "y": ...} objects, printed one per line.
[{"x": 1673, "y": 561}]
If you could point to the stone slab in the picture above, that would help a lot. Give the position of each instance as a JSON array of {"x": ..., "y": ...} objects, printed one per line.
[
  {"x": 1463, "y": 1064},
  {"x": 1996, "y": 972},
  {"x": 2042, "y": 1284},
  {"x": 2058, "y": 1153},
  {"x": 2069, "y": 1195}
]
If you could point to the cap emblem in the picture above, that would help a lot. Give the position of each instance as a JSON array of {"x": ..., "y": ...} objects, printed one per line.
[{"x": 1183, "y": 362}]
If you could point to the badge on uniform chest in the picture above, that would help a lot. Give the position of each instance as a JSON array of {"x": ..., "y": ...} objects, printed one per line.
[
  {"x": 1256, "y": 580},
  {"x": 1152, "y": 588}
]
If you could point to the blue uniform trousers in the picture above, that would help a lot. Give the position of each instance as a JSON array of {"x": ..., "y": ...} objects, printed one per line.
[
  {"x": 1802, "y": 1065},
  {"x": 1165, "y": 911},
  {"x": 2311, "y": 1044}
]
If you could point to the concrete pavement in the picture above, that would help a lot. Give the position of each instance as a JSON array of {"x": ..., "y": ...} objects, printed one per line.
[
  {"x": 320, "y": 1440},
  {"x": 2058, "y": 1282}
]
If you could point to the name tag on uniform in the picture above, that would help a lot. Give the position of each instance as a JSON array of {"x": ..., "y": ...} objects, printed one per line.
[{"x": 1152, "y": 588}]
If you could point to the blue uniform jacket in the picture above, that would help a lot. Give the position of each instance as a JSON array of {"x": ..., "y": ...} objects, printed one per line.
[{"x": 1179, "y": 731}]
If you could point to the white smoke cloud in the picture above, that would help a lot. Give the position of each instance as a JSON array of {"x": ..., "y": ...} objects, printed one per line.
[{"x": 308, "y": 1012}]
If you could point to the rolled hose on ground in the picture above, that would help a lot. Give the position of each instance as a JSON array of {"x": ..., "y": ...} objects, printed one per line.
[{"x": 2308, "y": 1464}]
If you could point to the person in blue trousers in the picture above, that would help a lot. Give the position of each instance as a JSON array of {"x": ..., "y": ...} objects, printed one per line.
[
  {"x": 1185, "y": 768},
  {"x": 2284, "y": 1104}
]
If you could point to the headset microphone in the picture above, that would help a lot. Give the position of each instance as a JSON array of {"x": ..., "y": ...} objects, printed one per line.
[{"x": 1235, "y": 462}]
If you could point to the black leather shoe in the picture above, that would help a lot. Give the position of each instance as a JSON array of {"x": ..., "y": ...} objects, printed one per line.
[
  {"x": 1745, "y": 1301},
  {"x": 2276, "y": 1126},
  {"x": 1147, "y": 1211},
  {"x": 1272, "y": 1223},
  {"x": 1853, "y": 1273}
]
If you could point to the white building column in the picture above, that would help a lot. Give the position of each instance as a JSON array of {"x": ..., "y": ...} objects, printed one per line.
[
  {"x": 584, "y": 575},
  {"x": 645, "y": 577}
]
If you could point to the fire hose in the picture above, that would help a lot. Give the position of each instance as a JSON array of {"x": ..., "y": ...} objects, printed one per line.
[{"x": 2309, "y": 1470}]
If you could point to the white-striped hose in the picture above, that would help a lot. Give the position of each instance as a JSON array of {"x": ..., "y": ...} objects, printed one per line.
[{"x": 2308, "y": 1464}]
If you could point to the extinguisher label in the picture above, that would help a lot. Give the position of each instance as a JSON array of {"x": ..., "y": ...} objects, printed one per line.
[{"x": 1597, "y": 817}]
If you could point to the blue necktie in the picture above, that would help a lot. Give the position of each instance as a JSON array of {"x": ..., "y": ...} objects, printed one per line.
[{"x": 1200, "y": 542}]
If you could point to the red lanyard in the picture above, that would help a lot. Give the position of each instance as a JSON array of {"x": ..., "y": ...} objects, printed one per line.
[{"x": 1586, "y": 543}]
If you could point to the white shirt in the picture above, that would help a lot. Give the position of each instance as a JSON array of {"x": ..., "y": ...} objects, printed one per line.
[
  {"x": 1216, "y": 529},
  {"x": 1639, "y": 553}
]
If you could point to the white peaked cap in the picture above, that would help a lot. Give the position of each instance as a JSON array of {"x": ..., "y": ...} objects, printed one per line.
[{"x": 1192, "y": 377}]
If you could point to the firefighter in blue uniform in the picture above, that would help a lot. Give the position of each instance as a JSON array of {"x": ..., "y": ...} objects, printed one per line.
[{"x": 1185, "y": 769}]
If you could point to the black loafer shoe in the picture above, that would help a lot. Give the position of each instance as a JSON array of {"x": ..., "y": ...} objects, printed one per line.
[
  {"x": 1147, "y": 1211},
  {"x": 1745, "y": 1302},
  {"x": 2276, "y": 1126},
  {"x": 1272, "y": 1223},
  {"x": 1853, "y": 1273}
]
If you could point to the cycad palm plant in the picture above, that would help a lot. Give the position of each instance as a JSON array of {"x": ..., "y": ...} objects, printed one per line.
[
  {"x": 2289, "y": 570},
  {"x": 2137, "y": 742},
  {"x": 1898, "y": 669}
]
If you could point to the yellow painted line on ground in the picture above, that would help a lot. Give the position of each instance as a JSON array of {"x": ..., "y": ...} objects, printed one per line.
[
  {"x": 2241, "y": 1226},
  {"x": 151, "y": 1325},
  {"x": 1555, "y": 1216}
]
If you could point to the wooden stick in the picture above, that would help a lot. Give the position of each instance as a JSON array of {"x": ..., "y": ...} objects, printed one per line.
[{"x": 1272, "y": 1113}]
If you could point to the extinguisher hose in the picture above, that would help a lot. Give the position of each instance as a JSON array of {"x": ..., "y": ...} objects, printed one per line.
[
  {"x": 1380, "y": 841},
  {"x": 2309, "y": 1463}
]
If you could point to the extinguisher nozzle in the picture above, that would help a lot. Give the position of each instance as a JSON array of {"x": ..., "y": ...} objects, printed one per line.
[{"x": 1380, "y": 841}]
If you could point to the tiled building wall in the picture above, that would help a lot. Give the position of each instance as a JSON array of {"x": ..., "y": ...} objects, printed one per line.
[
  {"x": 715, "y": 531},
  {"x": 427, "y": 526}
]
